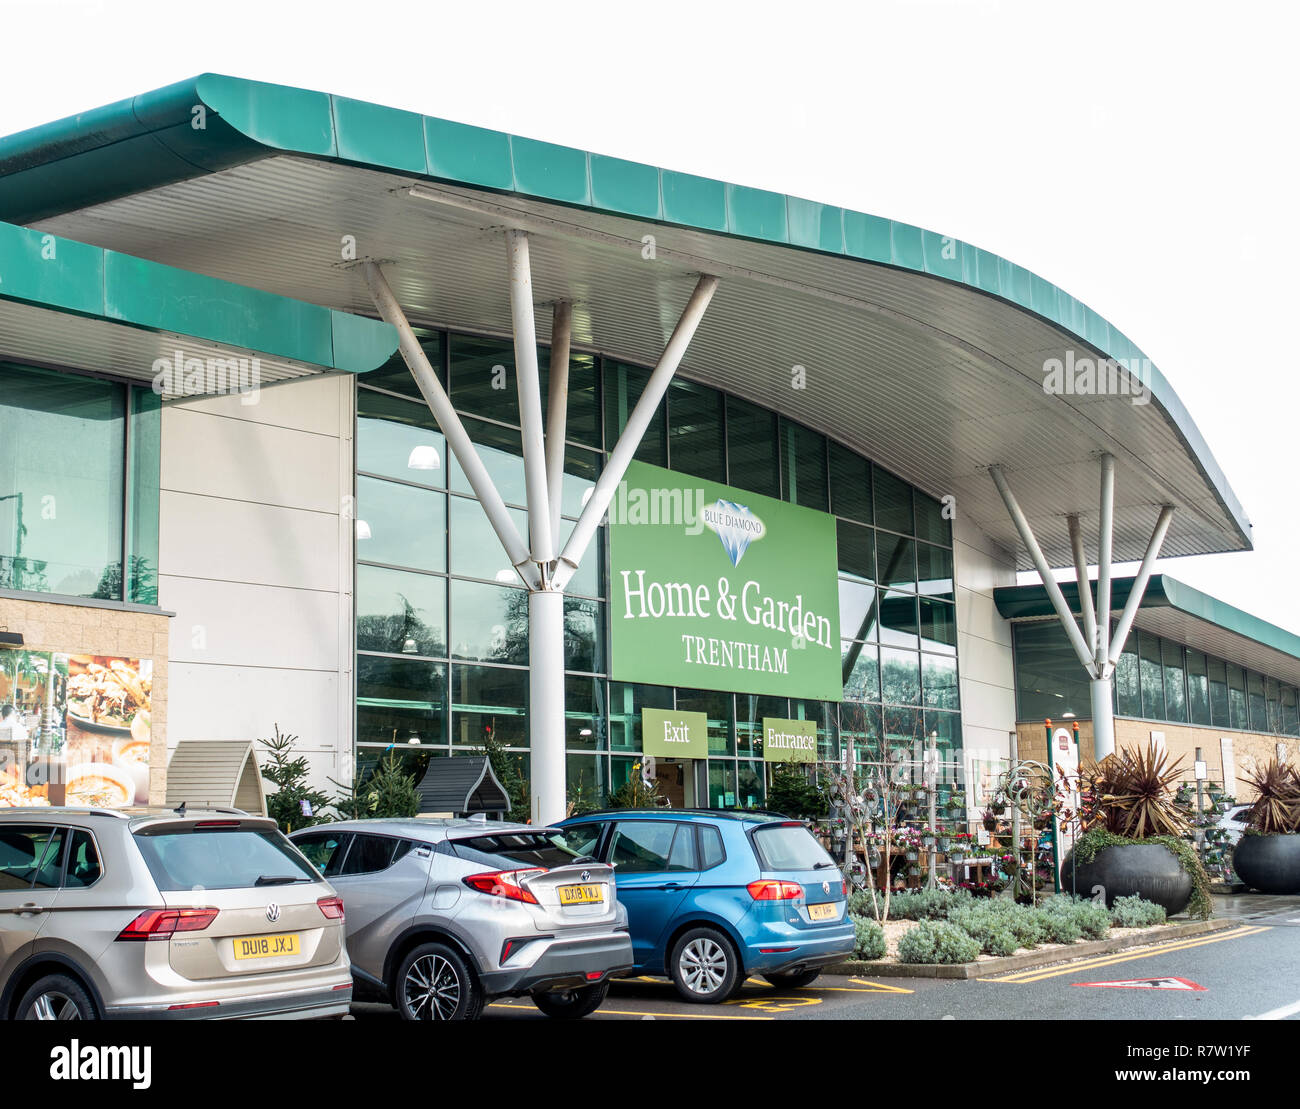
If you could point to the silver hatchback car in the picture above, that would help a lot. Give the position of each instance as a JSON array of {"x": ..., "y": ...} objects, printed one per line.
[
  {"x": 159, "y": 913},
  {"x": 445, "y": 915}
]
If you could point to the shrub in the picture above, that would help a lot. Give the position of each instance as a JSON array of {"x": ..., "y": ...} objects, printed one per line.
[
  {"x": 1276, "y": 810},
  {"x": 1133, "y": 794},
  {"x": 937, "y": 942},
  {"x": 1091, "y": 918},
  {"x": 1061, "y": 927},
  {"x": 870, "y": 938},
  {"x": 1136, "y": 912},
  {"x": 1000, "y": 940},
  {"x": 860, "y": 903},
  {"x": 927, "y": 904}
]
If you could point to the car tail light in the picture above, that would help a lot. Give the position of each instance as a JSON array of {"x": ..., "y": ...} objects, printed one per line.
[
  {"x": 504, "y": 883},
  {"x": 331, "y": 907},
  {"x": 844, "y": 888},
  {"x": 160, "y": 924},
  {"x": 216, "y": 824},
  {"x": 769, "y": 889}
]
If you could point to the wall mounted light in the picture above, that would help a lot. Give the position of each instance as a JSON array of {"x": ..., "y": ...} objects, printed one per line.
[
  {"x": 363, "y": 530},
  {"x": 423, "y": 458},
  {"x": 10, "y": 639}
]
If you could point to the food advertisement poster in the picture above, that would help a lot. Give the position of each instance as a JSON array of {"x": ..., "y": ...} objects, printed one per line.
[{"x": 74, "y": 729}]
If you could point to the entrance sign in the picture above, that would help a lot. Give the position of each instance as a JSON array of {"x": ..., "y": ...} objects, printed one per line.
[
  {"x": 674, "y": 735},
  {"x": 789, "y": 740},
  {"x": 717, "y": 588}
]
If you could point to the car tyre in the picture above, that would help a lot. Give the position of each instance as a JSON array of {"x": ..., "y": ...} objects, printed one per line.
[
  {"x": 435, "y": 983},
  {"x": 572, "y": 1004},
  {"x": 793, "y": 980},
  {"x": 704, "y": 966},
  {"x": 56, "y": 997}
]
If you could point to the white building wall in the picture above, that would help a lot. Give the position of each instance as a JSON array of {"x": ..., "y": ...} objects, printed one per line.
[
  {"x": 255, "y": 559},
  {"x": 987, "y": 676}
]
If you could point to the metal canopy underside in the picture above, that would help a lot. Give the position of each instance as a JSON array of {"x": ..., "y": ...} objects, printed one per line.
[
  {"x": 1177, "y": 611},
  {"x": 927, "y": 366}
]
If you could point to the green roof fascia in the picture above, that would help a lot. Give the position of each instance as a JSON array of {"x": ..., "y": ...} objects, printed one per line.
[
  {"x": 1026, "y": 602},
  {"x": 212, "y": 122},
  {"x": 69, "y": 276}
]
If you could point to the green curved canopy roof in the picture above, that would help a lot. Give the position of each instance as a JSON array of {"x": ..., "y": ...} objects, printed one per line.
[{"x": 241, "y": 147}]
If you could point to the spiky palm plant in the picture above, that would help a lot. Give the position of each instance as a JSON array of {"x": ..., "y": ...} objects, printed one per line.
[
  {"x": 1133, "y": 796},
  {"x": 1276, "y": 810}
]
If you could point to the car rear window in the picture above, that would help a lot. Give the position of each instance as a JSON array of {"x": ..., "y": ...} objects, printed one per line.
[
  {"x": 789, "y": 847},
  {"x": 221, "y": 858},
  {"x": 517, "y": 849}
]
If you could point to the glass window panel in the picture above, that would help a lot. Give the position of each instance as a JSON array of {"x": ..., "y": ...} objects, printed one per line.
[
  {"x": 934, "y": 570},
  {"x": 857, "y": 550},
  {"x": 483, "y": 377},
  {"x": 1290, "y": 711},
  {"x": 695, "y": 444},
  {"x": 1049, "y": 679},
  {"x": 145, "y": 478},
  {"x": 850, "y": 484},
  {"x": 500, "y": 450},
  {"x": 900, "y": 676},
  {"x": 828, "y": 729},
  {"x": 1274, "y": 707},
  {"x": 587, "y": 579},
  {"x": 860, "y": 666},
  {"x": 803, "y": 457},
  {"x": 1236, "y": 697},
  {"x": 1256, "y": 704},
  {"x": 1198, "y": 688},
  {"x": 395, "y": 376},
  {"x": 625, "y": 704},
  {"x": 930, "y": 523},
  {"x": 751, "y": 785},
  {"x": 939, "y": 682},
  {"x": 1153, "y": 697},
  {"x": 401, "y": 699},
  {"x": 489, "y": 623},
  {"x": 1128, "y": 691},
  {"x": 905, "y": 733},
  {"x": 899, "y": 621},
  {"x": 584, "y": 713},
  {"x": 752, "y": 452},
  {"x": 476, "y": 551},
  {"x": 1175, "y": 696},
  {"x": 489, "y": 701},
  {"x": 396, "y": 438},
  {"x": 586, "y": 782},
  {"x": 400, "y": 612},
  {"x": 623, "y": 387},
  {"x": 938, "y": 626},
  {"x": 717, "y": 707},
  {"x": 722, "y": 784},
  {"x": 581, "y": 469},
  {"x": 750, "y": 710},
  {"x": 401, "y": 525},
  {"x": 859, "y": 611},
  {"x": 861, "y": 725},
  {"x": 1219, "y": 714},
  {"x": 62, "y": 456},
  {"x": 948, "y": 727},
  {"x": 584, "y": 634},
  {"x": 582, "y": 420},
  {"x": 896, "y": 560},
  {"x": 893, "y": 499}
]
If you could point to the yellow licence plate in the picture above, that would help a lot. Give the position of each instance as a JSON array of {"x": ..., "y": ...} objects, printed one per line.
[
  {"x": 581, "y": 895},
  {"x": 266, "y": 947},
  {"x": 821, "y": 912}
]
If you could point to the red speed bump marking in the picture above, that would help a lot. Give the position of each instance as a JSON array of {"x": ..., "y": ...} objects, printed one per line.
[{"x": 1148, "y": 984}]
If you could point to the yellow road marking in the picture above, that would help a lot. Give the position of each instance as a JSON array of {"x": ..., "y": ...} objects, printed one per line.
[
  {"x": 638, "y": 1013},
  {"x": 880, "y": 986},
  {"x": 1037, "y": 975},
  {"x": 773, "y": 1004}
]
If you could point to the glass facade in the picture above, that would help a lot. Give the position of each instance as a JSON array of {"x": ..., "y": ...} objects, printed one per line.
[
  {"x": 1157, "y": 679},
  {"x": 79, "y": 476},
  {"x": 442, "y": 618}
]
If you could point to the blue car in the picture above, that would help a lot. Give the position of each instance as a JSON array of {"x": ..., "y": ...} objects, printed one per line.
[{"x": 713, "y": 897}]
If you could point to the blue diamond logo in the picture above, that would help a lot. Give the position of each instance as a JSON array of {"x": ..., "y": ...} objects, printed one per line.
[{"x": 735, "y": 525}]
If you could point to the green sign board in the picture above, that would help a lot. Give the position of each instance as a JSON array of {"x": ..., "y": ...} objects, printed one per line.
[
  {"x": 674, "y": 735},
  {"x": 716, "y": 588},
  {"x": 789, "y": 740}
]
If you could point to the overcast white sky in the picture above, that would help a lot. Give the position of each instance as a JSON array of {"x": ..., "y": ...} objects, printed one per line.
[{"x": 1141, "y": 155}]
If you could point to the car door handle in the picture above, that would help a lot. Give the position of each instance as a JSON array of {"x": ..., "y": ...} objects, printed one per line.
[
  {"x": 29, "y": 908},
  {"x": 669, "y": 886}
]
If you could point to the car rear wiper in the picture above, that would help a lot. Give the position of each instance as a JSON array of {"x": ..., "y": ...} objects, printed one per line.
[
  {"x": 823, "y": 866},
  {"x": 279, "y": 880}
]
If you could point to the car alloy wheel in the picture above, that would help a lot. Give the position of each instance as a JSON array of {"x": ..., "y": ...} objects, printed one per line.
[
  {"x": 704, "y": 966},
  {"x": 56, "y": 997},
  {"x": 432, "y": 988},
  {"x": 54, "y": 1005}
]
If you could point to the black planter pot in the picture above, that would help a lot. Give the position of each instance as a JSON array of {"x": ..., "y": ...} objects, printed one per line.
[
  {"x": 1146, "y": 870},
  {"x": 1270, "y": 864}
]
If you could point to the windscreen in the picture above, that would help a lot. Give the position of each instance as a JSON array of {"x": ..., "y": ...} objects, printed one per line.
[
  {"x": 790, "y": 847},
  {"x": 222, "y": 858},
  {"x": 517, "y": 849}
]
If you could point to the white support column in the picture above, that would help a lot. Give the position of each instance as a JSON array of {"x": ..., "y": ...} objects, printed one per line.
[
  {"x": 1045, "y": 572},
  {"x": 557, "y": 411},
  {"x": 1085, "y": 587},
  {"x": 541, "y": 541},
  {"x": 546, "y": 705},
  {"x": 458, "y": 440},
  {"x": 1126, "y": 618},
  {"x": 1105, "y": 544},
  {"x": 637, "y": 423}
]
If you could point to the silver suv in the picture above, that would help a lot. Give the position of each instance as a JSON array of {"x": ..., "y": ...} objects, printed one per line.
[
  {"x": 159, "y": 913},
  {"x": 444, "y": 915}
]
